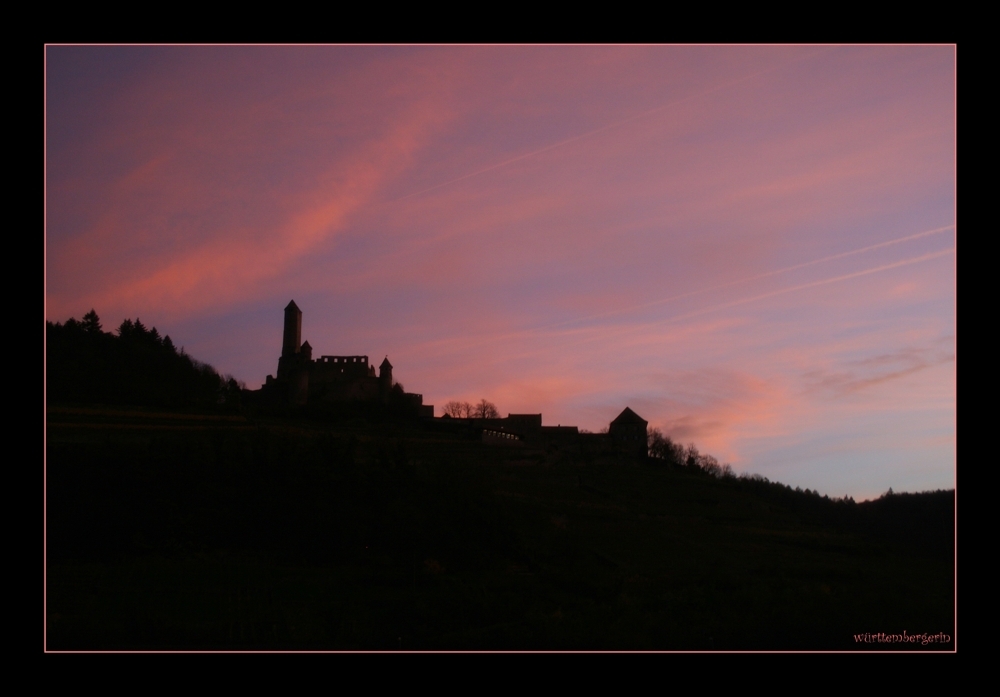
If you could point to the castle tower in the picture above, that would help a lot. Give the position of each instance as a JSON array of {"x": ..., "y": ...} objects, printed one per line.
[
  {"x": 293, "y": 331},
  {"x": 385, "y": 376},
  {"x": 628, "y": 433}
]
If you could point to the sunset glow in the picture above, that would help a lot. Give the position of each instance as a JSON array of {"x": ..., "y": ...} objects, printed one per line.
[{"x": 753, "y": 247}]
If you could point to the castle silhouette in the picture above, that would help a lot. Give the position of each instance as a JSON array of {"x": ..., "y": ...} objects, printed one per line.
[{"x": 302, "y": 381}]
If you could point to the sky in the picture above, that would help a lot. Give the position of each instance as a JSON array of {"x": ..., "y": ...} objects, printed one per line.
[{"x": 753, "y": 247}]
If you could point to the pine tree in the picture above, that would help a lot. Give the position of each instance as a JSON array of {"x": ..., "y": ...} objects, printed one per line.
[{"x": 91, "y": 322}]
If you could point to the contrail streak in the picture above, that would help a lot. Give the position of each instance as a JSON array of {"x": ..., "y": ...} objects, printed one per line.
[
  {"x": 582, "y": 332},
  {"x": 767, "y": 274},
  {"x": 813, "y": 284}
]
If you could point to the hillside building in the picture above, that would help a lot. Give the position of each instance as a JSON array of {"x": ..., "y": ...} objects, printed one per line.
[{"x": 302, "y": 380}]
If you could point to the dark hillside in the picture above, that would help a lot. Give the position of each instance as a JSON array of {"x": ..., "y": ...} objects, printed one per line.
[
  {"x": 172, "y": 530},
  {"x": 135, "y": 366}
]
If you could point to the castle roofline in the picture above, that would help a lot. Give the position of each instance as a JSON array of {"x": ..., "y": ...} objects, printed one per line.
[
  {"x": 291, "y": 306},
  {"x": 386, "y": 363},
  {"x": 629, "y": 417}
]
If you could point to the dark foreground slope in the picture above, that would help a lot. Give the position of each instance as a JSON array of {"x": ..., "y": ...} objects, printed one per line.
[{"x": 207, "y": 532}]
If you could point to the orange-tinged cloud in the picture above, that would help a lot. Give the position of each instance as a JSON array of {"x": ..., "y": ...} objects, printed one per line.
[{"x": 222, "y": 270}]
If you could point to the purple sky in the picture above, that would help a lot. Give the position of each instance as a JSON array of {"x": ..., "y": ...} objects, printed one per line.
[{"x": 752, "y": 247}]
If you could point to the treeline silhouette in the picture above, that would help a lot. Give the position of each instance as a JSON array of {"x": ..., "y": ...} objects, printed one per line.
[
  {"x": 920, "y": 520},
  {"x": 484, "y": 409},
  {"x": 134, "y": 366}
]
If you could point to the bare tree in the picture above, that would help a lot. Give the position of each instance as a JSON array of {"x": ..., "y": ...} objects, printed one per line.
[
  {"x": 485, "y": 410},
  {"x": 661, "y": 447},
  {"x": 459, "y": 410}
]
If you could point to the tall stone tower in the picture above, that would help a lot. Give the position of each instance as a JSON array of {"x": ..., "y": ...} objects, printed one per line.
[
  {"x": 291, "y": 345},
  {"x": 385, "y": 377},
  {"x": 293, "y": 330}
]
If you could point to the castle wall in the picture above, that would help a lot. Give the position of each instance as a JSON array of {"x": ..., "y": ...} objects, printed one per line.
[
  {"x": 332, "y": 368},
  {"x": 336, "y": 388},
  {"x": 499, "y": 437},
  {"x": 524, "y": 422}
]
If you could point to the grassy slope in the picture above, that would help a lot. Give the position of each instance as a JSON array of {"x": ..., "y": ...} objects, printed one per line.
[{"x": 188, "y": 531}]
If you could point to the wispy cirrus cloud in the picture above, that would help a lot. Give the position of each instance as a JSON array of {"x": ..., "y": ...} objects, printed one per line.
[{"x": 857, "y": 375}]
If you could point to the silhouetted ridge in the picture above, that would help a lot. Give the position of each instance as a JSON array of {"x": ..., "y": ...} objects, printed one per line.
[
  {"x": 921, "y": 520},
  {"x": 136, "y": 366}
]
